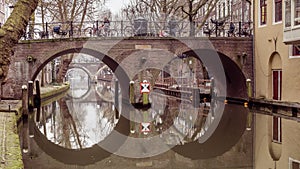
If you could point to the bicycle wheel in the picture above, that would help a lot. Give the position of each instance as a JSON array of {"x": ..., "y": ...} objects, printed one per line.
[
  {"x": 89, "y": 32},
  {"x": 128, "y": 31}
]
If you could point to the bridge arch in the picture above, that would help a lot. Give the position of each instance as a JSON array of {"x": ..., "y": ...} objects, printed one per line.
[
  {"x": 231, "y": 75},
  {"x": 100, "y": 150},
  {"x": 90, "y": 76},
  {"x": 111, "y": 63},
  {"x": 215, "y": 64}
]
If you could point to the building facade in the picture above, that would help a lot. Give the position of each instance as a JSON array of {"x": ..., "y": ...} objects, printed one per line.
[
  {"x": 228, "y": 10},
  {"x": 277, "y": 62}
]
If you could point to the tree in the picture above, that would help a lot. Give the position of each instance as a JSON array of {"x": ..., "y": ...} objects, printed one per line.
[
  {"x": 191, "y": 9},
  {"x": 11, "y": 32},
  {"x": 155, "y": 11},
  {"x": 160, "y": 10},
  {"x": 65, "y": 12}
]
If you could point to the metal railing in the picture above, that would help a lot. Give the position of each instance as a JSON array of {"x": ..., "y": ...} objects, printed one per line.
[{"x": 134, "y": 28}]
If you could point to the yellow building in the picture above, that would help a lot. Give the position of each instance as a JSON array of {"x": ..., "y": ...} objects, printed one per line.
[{"x": 277, "y": 72}]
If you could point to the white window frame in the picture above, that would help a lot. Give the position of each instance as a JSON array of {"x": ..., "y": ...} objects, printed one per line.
[
  {"x": 284, "y": 16},
  {"x": 291, "y": 56},
  {"x": 292, "y": 160},
  {"x": 279, "y": 88},
  {"x": 293, "y": 19},
  {"x": 274, "y": 12},
  {"x": 259, "y": 16},
  {"x": 279, "y": 132}
]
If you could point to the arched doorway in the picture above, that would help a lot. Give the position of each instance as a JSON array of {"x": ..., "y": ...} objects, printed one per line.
[{"x": 275, "y": 78}]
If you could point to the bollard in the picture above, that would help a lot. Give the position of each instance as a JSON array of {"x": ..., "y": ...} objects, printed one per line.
[
  {"x": 117, "y": 99},
  {"x": 30, "y": 96},
  {"x": 30, "y": 109},
  {"x": 146, "y": 120},
  {"x": 145, "y": 98},
  {"x": 31, "y": 125},
  {"x": 25, "y": 134},
  {"x": 25, "y": 119},
  {"x": 37, "y": 100},
  {"x": 24, "y": 100},
  {"x": 145, "y": 93},
  {"x": 132, "y": 122},
  {"x": 249, "y": 88},
  {"x": 249, "y": 116},
  {"x": 249, "y": 121},
  {"x": 131, "y": 92}
]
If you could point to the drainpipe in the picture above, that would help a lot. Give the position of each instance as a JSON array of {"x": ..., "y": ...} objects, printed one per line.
[{"x": 253, "y": 82}]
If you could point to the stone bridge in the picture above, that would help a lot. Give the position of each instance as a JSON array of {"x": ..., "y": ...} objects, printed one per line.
[
  {"x": 91, "y": 69},
  {"x": 228, "y": 59}
]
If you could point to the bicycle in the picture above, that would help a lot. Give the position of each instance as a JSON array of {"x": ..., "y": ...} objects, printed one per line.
[
  {"x": 57, "y": 31},
  {"x": 35, "y": 34},
  {"x": 217, "y": 29}
]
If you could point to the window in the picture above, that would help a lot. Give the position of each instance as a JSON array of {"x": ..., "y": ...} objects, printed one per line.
[
  {"x": 297, "y": 12},
  {"x": 278, "y": 11},
  {"x": 276, "y": 78},
  {"x": 287, "y": 13},
  {"x": 276, "y": 134},
  {"x": 296, "y": 50},
  {"x": 294, "y": 164},
  {"x": 263, "y": 12}
]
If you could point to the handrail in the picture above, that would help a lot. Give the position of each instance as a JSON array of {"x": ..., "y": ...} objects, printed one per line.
[{"x": 122, "y": 28}]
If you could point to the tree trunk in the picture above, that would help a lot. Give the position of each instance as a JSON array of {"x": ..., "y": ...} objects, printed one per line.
[{"x": 12, "y": 31}]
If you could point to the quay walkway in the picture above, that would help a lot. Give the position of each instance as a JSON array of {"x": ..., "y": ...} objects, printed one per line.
[
  {"x": 10, "y": 153},
  {"x": 10, "y": 112}
]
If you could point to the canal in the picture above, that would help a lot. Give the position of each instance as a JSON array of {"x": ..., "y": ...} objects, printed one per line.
[{"x": 90, "y": 126}]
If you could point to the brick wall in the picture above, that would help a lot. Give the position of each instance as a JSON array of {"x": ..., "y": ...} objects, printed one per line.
[{"x": 133, "y": 55}]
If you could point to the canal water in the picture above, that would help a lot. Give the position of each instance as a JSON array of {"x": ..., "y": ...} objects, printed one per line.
[{"x": 89, "y": 127}]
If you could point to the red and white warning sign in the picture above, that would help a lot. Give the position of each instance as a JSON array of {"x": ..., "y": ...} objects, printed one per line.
[
  {"x": 145, "y": 127},
  {"x": 145, "y": 87}
]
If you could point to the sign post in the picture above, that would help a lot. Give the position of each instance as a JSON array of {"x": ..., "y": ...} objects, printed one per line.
[{"x": 145, "y": 90}]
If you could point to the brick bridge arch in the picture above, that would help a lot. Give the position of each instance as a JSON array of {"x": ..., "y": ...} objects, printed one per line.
[
  {"x": 90, "y": 76},
  {"x": 125, "y": 57}
]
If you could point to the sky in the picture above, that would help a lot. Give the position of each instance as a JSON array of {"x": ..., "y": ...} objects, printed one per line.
[{"x": 116, "y": 5}]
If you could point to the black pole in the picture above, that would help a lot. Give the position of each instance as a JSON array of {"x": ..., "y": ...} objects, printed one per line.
[
  {"x": 97, "y": 25},
  {"x": 47, "y": 33},
  {"x": 71, "y": 31},
  {"x": 216, "y": 28},
  {"x": 240, "y": 28},
  {"x": 37, "y": 100}
]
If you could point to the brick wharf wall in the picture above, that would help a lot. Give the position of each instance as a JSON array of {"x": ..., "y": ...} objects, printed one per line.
[{"x": 128, "y": 53}]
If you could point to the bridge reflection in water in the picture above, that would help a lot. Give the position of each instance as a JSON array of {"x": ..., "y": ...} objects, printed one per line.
[{"x": 77, "y": 131}]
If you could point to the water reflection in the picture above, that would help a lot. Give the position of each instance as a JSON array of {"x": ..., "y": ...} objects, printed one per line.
[
  {"x": 77, "y": 124},
  {"x": 80, "y": 127}
]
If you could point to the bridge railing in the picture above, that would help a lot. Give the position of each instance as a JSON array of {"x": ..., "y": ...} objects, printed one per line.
[{"x": 135, "y": 28}]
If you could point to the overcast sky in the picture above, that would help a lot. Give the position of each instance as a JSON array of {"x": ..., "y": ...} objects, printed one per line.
[{"x": 116, "y": 5}]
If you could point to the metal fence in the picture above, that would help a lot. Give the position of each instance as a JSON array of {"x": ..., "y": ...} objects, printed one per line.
[{"x": 138, "y": 27}]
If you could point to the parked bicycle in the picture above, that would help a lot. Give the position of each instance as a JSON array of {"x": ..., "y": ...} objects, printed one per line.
[
  {"x": 217, "y": 29},
  {"x": 35, "y": 34},
  {"x": 57, "y": 30}
]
